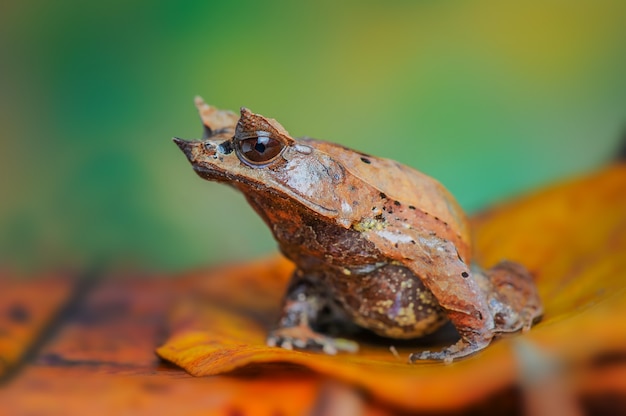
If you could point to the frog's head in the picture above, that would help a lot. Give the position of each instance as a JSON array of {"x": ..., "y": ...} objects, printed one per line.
[{"x": 258, "y": 156}]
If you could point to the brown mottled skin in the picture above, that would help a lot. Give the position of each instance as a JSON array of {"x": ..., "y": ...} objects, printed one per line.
[{"x": 374, "y": 241}]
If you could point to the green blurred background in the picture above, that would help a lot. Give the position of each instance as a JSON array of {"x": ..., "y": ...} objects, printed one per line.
[{"x": 492, "y": 98}]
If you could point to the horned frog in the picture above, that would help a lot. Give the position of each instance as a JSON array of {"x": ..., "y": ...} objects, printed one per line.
[{"x": 373, "y": 241}]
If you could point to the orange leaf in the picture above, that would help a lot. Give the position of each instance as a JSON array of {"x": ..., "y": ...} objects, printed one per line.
[
  {"x": 571, "y": 236},
  {"x": 100, "y": 362},
  {"x": 26, "y": 308}
]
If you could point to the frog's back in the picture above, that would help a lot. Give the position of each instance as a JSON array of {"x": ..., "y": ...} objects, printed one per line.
[{"x": 401, "y": 183}]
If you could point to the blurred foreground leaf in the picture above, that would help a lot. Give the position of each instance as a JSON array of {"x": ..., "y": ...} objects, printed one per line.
[{"x": 26, "y": 308}]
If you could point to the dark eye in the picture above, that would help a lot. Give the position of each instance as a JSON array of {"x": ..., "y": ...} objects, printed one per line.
[{"x": 258, "y": 150}]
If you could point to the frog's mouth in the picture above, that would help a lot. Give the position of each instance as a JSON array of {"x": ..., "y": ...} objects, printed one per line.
[{"x": 205, "y": 162}]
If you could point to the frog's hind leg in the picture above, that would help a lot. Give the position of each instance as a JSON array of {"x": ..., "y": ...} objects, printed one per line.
[
  {"x": 513, "y": 297},
  {"x": 303, "y": 306}
]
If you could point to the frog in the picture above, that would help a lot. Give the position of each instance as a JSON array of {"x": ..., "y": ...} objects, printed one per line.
[{"x": 375, "y": 243}]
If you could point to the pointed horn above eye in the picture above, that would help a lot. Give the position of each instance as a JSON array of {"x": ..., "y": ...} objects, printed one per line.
[
  {"x": 215, "y": 120},
  {"x": 250, "y": 123}
]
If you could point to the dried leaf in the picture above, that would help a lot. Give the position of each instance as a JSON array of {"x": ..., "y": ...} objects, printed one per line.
[
  {"x": 113, "y": 327},
  {"x": 84, "y": 389},
  {"x": 27, "y": 306},
  {"x": 571, "y": 236},
  {"x": 100, "y": 361}
]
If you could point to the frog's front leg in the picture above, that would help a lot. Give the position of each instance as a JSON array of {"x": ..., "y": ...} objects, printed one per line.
[
  {"x": 466, "y": 307},
  {"x": 450, "y": 280},
  {"x": 513, "y": 302},
  {"x": 303, "y": 304}
]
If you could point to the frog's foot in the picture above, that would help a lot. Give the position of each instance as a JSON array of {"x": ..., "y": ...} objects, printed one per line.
[
  {"x": 461, "y": 349},
  {"x": 303, "y": 337}
]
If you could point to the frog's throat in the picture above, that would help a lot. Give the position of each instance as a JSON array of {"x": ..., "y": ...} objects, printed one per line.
[{"x": 256, "y": 191}]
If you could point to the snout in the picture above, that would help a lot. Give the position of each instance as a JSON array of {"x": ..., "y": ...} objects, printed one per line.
[
  {"x": 200, "y": 153},
  {"x": 186, "y": 146}
]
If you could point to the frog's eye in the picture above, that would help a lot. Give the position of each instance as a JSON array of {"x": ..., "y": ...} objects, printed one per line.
[{"x": 258, "y": 150}]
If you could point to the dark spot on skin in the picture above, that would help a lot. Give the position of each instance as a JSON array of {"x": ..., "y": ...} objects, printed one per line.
[
  {"x": 412, "y": 241},
  {"x": 432, "y": 233},
  {"x": 411, "y": 207},
  {"x": 352, "y": 188},
  {"x": 445, "y": 223},
  {"x": 437, "y": 218},
  {"x": 465, "y": 274},
  {"x": 225, "y": 147},
  {"x": 383, "y": 196},
  {"x": 18, "y": 313},
  {"x": 379, "y": 217},
  {"x": 396, "y": 203},
  {"x": 365, "y": 160},
  {"x": 335, "y": 172},
  {"x": 373, "y": 208},
  {"x": 480, "y": 315},
  {"x": 396, "y": 245}
]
